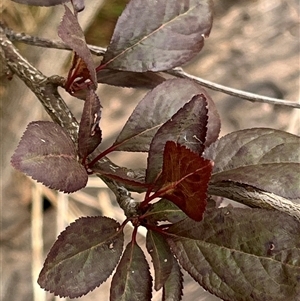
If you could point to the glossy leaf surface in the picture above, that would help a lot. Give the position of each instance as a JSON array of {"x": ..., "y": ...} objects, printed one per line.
[
  {"x": 90, "y": 134},
  {"x": 161, "y": 256},
  {"x": 158, "y": 35},
  {"x": 267, "y": 159},
  {"x": 241, "y": 254},
  {"x": 132, "y": 280},
  {"x": 185, "y": 176},
  {"x": 48, "y": 155},
  {"x": 83, "y": 256},
  {"x": 157, "y": 107},
  {"x": 187, "y": 127}
]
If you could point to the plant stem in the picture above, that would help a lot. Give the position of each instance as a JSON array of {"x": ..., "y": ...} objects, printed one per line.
[{"x": 177, "y": 72}]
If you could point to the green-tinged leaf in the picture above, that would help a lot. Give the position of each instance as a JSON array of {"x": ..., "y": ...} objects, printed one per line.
[
  {"x": 71, "y": 33},
  {"x": 185, "y": 182},
  {"x": 83, "y": 256},
  {"x": 241, "y": 254},
  {"x": 267, "y": 159},
  {"x": 157, "y": 107},
  {"x": 164, "y": 210},
  {"x": 90, "y": 134},
  {"x": 147, "y": 80},
  {"x": 132, "y": 280},
  {"x": 158, "y": 35},
  {"x": 172, "y": 289},
  {"x": 187, "y": 127},
  {"x": 161, "y": 256},
  {"x": 48, "y": 155}
]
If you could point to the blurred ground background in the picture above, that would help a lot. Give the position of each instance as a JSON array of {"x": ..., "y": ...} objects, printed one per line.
[{"x": 254, "y": 45}]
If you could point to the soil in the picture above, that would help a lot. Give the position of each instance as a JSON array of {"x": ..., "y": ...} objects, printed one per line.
[{"x": 254, "y": 46}]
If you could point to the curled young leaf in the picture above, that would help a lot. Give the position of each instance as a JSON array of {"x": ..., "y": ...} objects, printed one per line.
[
  {"x": 241, "y": 254},
  {"x": 48, "y": 155},
  {"x": 158, "y": 35},
  {"x": 90, "y": 134},
  {"x": 71, "y": 33},
  {"x": 83, "y": 256}
]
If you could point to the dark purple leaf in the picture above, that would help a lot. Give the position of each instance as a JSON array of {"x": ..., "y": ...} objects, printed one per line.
[
  {"x": 241, "y": 254},
  {"x": 148, "y": 80},
  {"x": 132, "y": 280},
  {"x": 83, "y": 256},
  {"x": 158, "y": 106},
  {"x": 187, "y": 127},
  {"x": 90, "y": 134},
  {"x": 48, "y": 155},
  {"x": 267, "y": 159},
  {"x": 71, "y": 33},
  {"x": 41, "y": 2},
  {"x": 172, "y": 289},
  {"x": 161, "y": 256},
  {"x": 158, "y": 35}
]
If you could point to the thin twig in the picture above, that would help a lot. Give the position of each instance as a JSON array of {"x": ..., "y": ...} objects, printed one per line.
[
  {"x": 46, "y": 43},
  {"x": 177, "y": 72}
]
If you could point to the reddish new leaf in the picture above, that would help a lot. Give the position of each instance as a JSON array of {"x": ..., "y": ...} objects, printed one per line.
[
  {"x": 90, "y": 134},
  {"x": 71, "y": 33},
  {"x": 184, "y": 179},
  {"x": 187, "y": 127},
  {"x": 48, "y": 155},
  {"x": 132, "y": 280},
  {"x": 83, "y": 256},
  {"x": 158, "y": 35}
]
